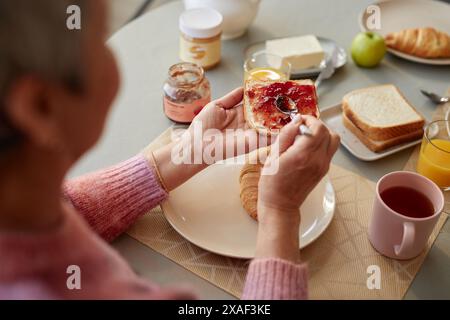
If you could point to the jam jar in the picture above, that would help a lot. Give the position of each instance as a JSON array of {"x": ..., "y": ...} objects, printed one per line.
[{"x": 186, "y": 92}]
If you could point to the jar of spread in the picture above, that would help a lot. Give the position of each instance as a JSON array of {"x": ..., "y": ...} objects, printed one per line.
[
  {"x": 186, "y": 92},
  {"x": 200, "y": 41}
]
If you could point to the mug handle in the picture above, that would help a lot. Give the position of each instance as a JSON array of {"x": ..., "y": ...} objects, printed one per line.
[{"x": 407, "y": 241}]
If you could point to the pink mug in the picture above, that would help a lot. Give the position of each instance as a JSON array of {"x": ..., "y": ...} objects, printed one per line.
[{"x": 398, "y": 236}]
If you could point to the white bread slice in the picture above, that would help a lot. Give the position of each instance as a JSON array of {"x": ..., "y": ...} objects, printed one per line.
[
  {"x": 381, "y": 112},
  {"x": 378, "y": 146},
  {"x": 248, "y": 113}
]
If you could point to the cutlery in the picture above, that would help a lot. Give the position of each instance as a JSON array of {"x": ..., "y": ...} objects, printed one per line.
[
  {"x": 328, "y": 67},
  {"x": 287, "y": 106},
  {"x": 438, "y": 100},
  {"x": 435, "y": 97}
]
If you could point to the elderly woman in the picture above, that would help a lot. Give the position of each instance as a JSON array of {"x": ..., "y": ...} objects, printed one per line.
[{"x": 56, "y": 88}]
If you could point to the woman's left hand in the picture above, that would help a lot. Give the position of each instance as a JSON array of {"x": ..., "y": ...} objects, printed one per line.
[
  {"x": 219, "y": 128},
  {"x": 227, "y": 116},
  {"x": 224, "y": 113}
]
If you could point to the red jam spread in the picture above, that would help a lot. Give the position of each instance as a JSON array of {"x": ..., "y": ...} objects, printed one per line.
[{"x": 264, "y": 98}]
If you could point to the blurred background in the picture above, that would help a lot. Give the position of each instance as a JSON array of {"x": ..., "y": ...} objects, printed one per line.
[{"x": 123, "y": 10}]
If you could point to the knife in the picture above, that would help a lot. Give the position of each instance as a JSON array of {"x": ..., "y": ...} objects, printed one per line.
[{"x": 328, "y": 68}]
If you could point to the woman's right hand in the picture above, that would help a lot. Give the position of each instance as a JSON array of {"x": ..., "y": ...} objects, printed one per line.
[{"x": 302, "y": 162}]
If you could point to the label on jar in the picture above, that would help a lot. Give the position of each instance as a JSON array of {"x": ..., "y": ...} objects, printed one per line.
[
  {"x": 205, "y": 54},
  {"x": 184, "y": 113}
]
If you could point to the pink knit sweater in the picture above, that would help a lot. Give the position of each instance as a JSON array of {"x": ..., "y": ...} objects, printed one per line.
[{"x": 103, "y": 205}]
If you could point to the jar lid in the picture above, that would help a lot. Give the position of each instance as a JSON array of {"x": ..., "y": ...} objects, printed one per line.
[{"x": 201, "y": 23}]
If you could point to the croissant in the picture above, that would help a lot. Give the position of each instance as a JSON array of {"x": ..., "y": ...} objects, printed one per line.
[
  {"x": 249, "y": 179},
  {"x": 422, "y": 42}
]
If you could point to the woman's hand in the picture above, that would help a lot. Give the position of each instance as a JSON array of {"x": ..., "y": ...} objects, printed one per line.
[
  {"x": 224, "y": 117},
  {"x": 224, "y": 113},
  {"x": 303, "y": 162},
  {"x": 221, "y": 131}
]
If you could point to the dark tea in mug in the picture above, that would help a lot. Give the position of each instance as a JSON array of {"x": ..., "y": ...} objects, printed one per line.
[{"x": 408, "y": 202}]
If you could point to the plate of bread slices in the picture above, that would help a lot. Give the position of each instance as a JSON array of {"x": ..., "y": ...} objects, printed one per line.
[
  {"x": 416, "y": 30},
  {"x": 216, "y": 209},
  {"x": 375, "y": 122}
]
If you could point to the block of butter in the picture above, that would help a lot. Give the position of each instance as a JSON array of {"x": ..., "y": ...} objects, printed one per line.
[{"x": 301, "y": 52}]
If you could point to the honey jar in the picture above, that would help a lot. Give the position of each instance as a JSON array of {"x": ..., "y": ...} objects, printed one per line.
[
  {"x": 186, "y": 92},
  {"x": 200, "y": 38}
]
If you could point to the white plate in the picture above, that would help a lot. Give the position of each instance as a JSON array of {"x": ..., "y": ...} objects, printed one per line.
[
  {"x": 207, "y": 211},
  {"x": 332, "y": 117},
  {"x": 404, "y": 14},
  {"x": 327, "y": 45}
]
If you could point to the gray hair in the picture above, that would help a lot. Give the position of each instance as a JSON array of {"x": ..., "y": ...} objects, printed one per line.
[{"x": 34, "y": 39}]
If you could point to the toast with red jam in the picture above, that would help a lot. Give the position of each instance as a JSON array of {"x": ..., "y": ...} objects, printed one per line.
[{"x": 261, "y": 99}]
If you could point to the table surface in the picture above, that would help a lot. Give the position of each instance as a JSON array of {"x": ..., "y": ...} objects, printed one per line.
[{"x": 148, "y": 46}]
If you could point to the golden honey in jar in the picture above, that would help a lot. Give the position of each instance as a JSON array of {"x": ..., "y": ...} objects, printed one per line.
[
  {"x": 186, "y": 92},
  {"x": 200, "y": 38}
]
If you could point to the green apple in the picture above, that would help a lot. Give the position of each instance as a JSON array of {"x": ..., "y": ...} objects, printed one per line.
[{"x": 368, "y": 49}]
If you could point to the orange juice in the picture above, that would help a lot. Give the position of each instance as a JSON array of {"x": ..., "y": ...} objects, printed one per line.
[
  {"x": 434, "y": 161},
  {"x": 265, "y": 73}
]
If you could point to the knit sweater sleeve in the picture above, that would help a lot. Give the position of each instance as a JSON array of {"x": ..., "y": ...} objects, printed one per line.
[
  {"x": 275, "y": 279},
  {"x": 113, "y": 198}
]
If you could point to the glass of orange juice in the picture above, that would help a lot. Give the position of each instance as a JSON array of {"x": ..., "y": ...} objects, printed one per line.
[
  {"x": 266, "y": 66},
  {"x": 434, "y": 158}
]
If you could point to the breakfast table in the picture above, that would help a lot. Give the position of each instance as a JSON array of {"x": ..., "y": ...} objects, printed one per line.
[{"x": 148, "y": 46}]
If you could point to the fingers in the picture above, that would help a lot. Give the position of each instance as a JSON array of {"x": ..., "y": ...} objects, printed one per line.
[
  {"x": 231, "y": 99},
  {"x": 322, "y": 137},
  {"x": 319, "y": 134},
  {"x": 315, "y": 125},
  {"x": 333, "y": 145},
  {"x": 287, "y": 136}
]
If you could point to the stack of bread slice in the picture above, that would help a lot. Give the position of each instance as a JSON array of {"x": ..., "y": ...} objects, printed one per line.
[{"x": 381, "y": 117}]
